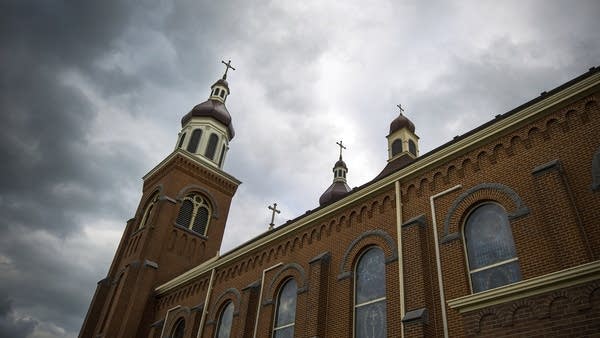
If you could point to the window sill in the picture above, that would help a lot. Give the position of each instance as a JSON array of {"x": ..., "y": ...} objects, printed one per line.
[{"x": 530, "y": 287}]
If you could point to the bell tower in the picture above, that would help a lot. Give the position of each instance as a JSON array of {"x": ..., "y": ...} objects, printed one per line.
[
  {"x": 402, "y": 139},
  {"x": 179, "y": 222}
]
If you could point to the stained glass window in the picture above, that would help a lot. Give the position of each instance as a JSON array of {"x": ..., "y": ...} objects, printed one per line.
[
  {"x": 396, "y": 147},
  {"x": 285, "y": 313},
  {"x": 194, "y": 141},
  {"x": 179, "y": 329},
  {"x": 225, "y": 320},
  {"x": 211, "y": 148},
  {"x": 370, "y": 300},
  {"x": 491, "y": 251}
]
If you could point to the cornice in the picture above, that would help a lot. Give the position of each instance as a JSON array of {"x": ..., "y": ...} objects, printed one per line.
[
  {"x": 427, "y": 161},
  {"x": 530, "y": 287},
  {"x": 181, "y": 157}
]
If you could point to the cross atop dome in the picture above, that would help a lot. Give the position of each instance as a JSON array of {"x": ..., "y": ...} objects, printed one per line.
[
  {"x": 227, "y": 67},
  {"x": 339, "y": 187}
]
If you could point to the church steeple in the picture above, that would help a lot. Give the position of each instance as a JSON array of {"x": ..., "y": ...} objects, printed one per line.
[
  {"x": 207, "y": 128},
  {"x": 402, "y": 139},
  {"x": 339, "y": 187}
]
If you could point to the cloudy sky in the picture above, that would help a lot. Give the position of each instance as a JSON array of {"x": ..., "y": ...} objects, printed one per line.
[{"x": 92, "y": 92}]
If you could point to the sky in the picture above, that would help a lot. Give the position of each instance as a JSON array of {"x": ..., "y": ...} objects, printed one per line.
[{"x": 92, "y": 93}]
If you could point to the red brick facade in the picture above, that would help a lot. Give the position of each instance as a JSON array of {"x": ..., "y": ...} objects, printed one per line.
[{"x": 535, "y": 161}]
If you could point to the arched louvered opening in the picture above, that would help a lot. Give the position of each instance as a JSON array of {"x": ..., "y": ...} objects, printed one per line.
[
  {"x": 181, "y": 140},
  {"x": 195, "y": 213},
  {"x": 211, "y": 148},
  {"x": 222, "y": 156},
  {"x": 194, "y": 140},
  {"x": 185, "y": 213},
  {"x": 396, "y": 147},
  {"x": 412, "y": 147},
  {"x": 201, "y": 220}
]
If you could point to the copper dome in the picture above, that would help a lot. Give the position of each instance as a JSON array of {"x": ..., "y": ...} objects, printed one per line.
[
  {"x": 401, "y": 122},
  {"x": 214, "y": 109},
  {"x": 335, "y": 192}
]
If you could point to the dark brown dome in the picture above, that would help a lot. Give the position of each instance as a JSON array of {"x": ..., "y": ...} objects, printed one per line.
[
  {"x": 335, "y": 192},
  {"x": 340, "y": 163},
  {"x": 401, "y": 122},
  {"x": 214, "y": 109}
]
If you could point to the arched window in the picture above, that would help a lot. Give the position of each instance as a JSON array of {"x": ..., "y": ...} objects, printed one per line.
[
  {"x": 211, "y": 148},
  {"x": 194, "y": 213},
  {"x": 396, "y": 147},
  {"x": 148, "y": 211},
  {"x": 491, "y": 254},
  {"x": 217, "y": 91},
  {"x": 222, "y": 156},
  {"x": 181, "y": 140},
  {"x": 178, "y": 329},
  {"x": 194, "y": 141},
  {"x": 285, "y": 313},
  {"x": 225, "y": 320},
  {"x": 412, "y": 147},
  {"x": 369, "y": 295},
  {"x": 222, "y": 94}
]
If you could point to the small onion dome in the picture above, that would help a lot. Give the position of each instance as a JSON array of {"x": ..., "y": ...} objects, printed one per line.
[
  {"x": 341, "y": 164},
  {"x": 214, "y": 109},
  {"x": 401, "y": 122},
  {"x": 335, "y": 192},
  {"x": 221, "y": 82}
]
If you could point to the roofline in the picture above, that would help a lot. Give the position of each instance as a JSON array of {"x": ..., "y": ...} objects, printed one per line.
[{"x": 476, "y": 136}]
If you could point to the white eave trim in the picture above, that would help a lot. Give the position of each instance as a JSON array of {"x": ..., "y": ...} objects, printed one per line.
[
  {"x": 431, "y": 160},
  {"x": 530, "y": 287},
  {"x": 199, "y": 160}
]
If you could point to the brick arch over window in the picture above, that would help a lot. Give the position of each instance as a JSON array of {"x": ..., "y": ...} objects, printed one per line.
[
  {"x": 508, "y": 198},
  {"x": 196, "y": 188},
  {"x": 232, "y": 295},
  {"x": 174, "y": 316},
  {"x": 291, "y": 270},
  {"x": 368, "y": 238}
]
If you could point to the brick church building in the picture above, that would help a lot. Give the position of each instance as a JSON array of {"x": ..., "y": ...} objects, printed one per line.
[{"x": 494, "y": 233}]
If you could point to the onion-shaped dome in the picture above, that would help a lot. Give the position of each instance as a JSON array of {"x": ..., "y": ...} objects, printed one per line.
[
  {"x": 335, "y": 192},
  {"x": 214, "y": 109},
  {"x": 401, "y": 122}
]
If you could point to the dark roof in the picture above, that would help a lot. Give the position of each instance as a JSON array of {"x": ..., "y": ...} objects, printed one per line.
[
  {"x": 401, "y": 122},
  {"x": 221, "y": 82},
  {"x": 340, "y": 163},
  {"x": 335, "y": 192},
  {"x": 395, "y": 165},
  {"x": 211, "y": 108}
]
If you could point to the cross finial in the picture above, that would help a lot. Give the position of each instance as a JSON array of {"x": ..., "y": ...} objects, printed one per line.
[
  {"x": 400, "y": 107},
  {"x": 274, "y": 209},
  {"x": 227, "y": 66},
  {"x": 341, "y": 147}
]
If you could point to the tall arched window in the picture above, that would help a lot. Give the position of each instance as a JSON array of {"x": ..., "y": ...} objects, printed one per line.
[
  {"x": 396, "y": 147},
  {"x": 148, "y": 211},
  {"x": 222, "y": 157},
  {"x": 181, "y": 140},
  {"x": 178, "y": 329},
  {"x": 369, "y": 295},
  {"x": 491, "y": 254},
  {"x": 211, "y": 148},
  {"x": 194, "y": 140},
  {"x": 225, "y": 321},
  {"x": 194, "y": 213},
  {"x": 412, "y": 147},
  {"x": 285, "y": 313}
]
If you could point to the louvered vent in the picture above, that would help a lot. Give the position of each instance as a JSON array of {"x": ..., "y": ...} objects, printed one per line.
[{"x": 185, "y": 214}]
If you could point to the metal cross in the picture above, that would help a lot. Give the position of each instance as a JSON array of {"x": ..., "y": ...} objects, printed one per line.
[
  {"x": 341, "y": 147},
  {"x": 274, "y": 209},
  {"x": 227, "y": 65},
  {"x": 400, "y": 107}
]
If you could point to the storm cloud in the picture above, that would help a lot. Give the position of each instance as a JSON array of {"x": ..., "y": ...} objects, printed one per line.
[{"x": 91, "y": 95}]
